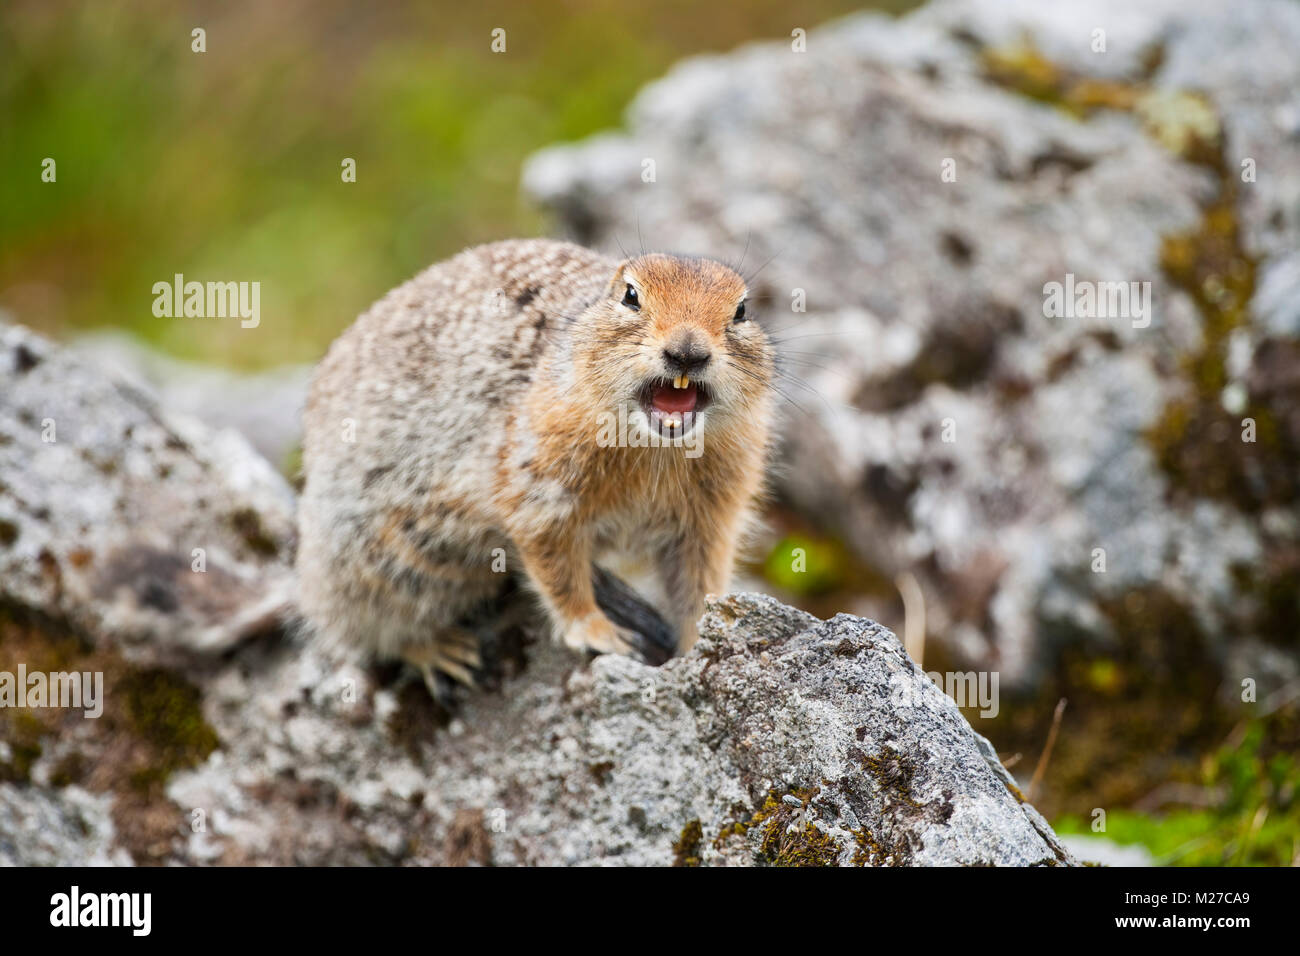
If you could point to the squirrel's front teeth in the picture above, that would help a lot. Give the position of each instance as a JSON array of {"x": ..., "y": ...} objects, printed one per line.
[{"x": 681, "y": 381}]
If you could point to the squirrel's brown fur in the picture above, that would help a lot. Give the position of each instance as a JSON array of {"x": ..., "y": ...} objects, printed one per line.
[{"x": 461, "y": 428}]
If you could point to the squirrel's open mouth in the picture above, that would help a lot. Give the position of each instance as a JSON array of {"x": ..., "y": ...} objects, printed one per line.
[{"x": 673, "y": 405}]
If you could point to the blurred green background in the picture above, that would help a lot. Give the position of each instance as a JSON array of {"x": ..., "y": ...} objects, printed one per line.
[{"x": 226, "y": 164}]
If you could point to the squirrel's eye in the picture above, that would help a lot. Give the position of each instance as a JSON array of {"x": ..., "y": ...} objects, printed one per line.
[
  {"x": 630, "y": 299},
  {"x": 740, "y": 313}
]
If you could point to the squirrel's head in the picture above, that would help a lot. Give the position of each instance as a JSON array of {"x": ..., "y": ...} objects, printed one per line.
[{"x": 673, "y": 343}]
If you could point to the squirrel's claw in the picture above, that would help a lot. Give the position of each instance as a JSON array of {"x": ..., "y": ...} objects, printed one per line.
[{"x": 452, "y": 654}]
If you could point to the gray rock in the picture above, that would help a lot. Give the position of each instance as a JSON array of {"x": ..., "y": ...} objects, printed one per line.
[
  {"x": 265, "y": 407},
  {"x": 110, "y": 503},
  {"x": 784, "y": 739},
  {"x": 68, "y": 828}
]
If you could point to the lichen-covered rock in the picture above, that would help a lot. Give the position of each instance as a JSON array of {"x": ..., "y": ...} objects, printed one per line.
[
  {"x": 780, "y": 739},
  {"x": 68, "y": 828},
  {"x": 265, "y": 406},
  {"x": 127, "y": 520},
  {"x": 916, "y": 184}
]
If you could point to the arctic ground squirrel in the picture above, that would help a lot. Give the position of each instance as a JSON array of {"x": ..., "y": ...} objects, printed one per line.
[{"x": 516, "y": 412}]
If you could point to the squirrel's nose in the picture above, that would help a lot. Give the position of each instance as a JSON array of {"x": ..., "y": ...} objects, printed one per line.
[{"x": 687, "y": 356}]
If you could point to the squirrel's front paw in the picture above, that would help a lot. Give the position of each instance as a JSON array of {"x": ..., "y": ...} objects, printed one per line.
[{"x": 596, "y": 632}]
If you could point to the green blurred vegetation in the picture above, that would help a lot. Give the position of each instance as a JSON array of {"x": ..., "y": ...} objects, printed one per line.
[
  {"x": 226, "y": 164},
  {"x": 807, "y": 566},
  {"x": 1251, "y": 816}
]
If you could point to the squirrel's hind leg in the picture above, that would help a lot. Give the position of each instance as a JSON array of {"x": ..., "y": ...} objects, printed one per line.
[{"x": 453, "y": 651}]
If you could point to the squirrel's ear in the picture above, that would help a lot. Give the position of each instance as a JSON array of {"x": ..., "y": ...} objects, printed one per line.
[{"x": 617, "y": 281}]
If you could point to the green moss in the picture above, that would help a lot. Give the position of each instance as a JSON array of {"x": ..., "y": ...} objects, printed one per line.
[
  {"x": 771, "y": 805},
  {"x": 23, "y": 734},
  {"x": 868, "y": 850},
  {"x": 42, "y": 644},
  {"x": 893, "y": 772},
  {"x": 1209, "y": 263},
  {"x": 164, "y": 710},
  {"x": 686, "y": 851},
  {"x": 1023, "y": 68},
  {"x": 731, "y": 829},
  {"x": 1197, "y": 443},
  {"x": 782, "y": 842},
  {"x": 808, "y": 846},
  {"x": 248, "y": 525},
  {"x": 71, "y": 769}
]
